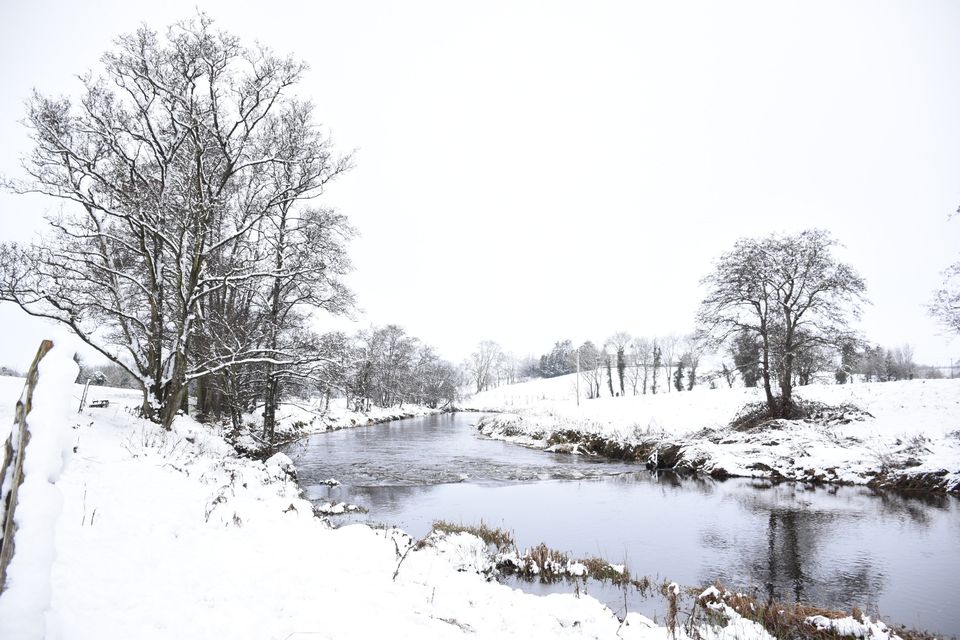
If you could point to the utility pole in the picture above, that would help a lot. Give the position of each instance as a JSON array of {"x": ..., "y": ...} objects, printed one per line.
[{"x": 578, "y": 377}]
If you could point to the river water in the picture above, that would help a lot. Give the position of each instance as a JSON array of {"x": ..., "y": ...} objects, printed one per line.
[{"x": 836, "y": 546}]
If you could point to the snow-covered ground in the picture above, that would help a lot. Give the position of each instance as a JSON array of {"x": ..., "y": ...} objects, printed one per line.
[
  {"x": 160, "y": 534},
  {"x": 910, "y": 434},
  {"x": 171, "y": 535}
]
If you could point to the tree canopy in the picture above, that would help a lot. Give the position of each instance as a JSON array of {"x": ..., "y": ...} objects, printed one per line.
[{"x": 788, "y": 291}]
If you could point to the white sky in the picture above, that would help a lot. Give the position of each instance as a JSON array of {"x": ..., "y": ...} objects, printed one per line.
[{"x": 528, "y": 172}]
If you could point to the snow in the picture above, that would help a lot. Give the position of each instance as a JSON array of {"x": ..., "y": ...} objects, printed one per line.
[
  {"x": 171, "y": 535},
  {"x": 282, "y": 462},
  {"x": 853, "y": 628},
  {"x": 710, "y": 592},
  {"x": 24, "y": 603},
  {"x": 911, "y": 428},
  {"x": 336, "y": 508}
]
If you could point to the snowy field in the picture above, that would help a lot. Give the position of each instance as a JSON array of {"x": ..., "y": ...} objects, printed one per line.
[
  {"x": 171, "y": 535},
  {"x": 912, "y": 429}
]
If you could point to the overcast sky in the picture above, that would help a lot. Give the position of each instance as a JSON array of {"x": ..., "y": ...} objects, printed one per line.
[{"x": 527, "y": 172}]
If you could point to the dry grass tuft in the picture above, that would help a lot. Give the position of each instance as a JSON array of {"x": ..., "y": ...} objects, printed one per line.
[
  {"x": 498, "y": 538},
  {"x": 784, "y": 620}
]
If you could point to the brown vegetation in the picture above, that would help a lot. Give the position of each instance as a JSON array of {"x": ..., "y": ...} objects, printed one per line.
[
  {"x": 498, "y": 538},
  {"x": 783, "y": 620}
]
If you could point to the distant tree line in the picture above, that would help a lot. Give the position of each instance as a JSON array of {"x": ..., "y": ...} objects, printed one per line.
[
  {"x": 384, "y": 366},
  {"x": 777, "y": 316},
  {"x": 489, "y": 366},
  {"x": 622, "y": 365}
]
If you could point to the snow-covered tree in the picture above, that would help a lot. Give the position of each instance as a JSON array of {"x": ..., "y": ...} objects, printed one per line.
[
  {"x": 641, "y": 350},
  {"x": 669, "y": 346},
  {"x": 590, "y": 363},
  {"x": 482, "y": 363},
  {"x": 168, "y": 163},
  {"x": 790, "y": 293}
]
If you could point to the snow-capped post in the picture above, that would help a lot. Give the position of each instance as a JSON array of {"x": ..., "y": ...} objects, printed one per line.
[
  {"x": 30, "y": 503},
  {"x": 83, "y": 398},
  {"x": 11, "y": 473}
]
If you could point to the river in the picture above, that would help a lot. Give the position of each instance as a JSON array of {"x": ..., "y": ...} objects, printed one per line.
[{"x": 830, "y": 546}]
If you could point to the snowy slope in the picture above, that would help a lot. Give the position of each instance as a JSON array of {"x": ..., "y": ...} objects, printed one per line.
[{"x": 170, "y": 535}]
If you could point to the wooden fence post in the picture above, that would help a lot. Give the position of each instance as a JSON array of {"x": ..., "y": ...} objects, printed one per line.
[{"x": 13, "y": 454}]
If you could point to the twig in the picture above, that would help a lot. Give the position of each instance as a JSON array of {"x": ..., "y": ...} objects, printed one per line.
[{"x": 418, "y": 544}]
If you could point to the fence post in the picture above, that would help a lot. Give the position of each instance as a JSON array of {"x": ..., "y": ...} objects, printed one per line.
[
  {"x": 13, "y": 454},
  {"x": 83, "y": 398}
]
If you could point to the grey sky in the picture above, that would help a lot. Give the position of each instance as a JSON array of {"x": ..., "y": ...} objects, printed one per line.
[{"x": 528, "y": 172}]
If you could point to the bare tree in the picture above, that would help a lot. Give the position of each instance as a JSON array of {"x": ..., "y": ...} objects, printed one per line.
[
  {"x": 693, "y": 346},
  {"x": 168, "y": 162},
  {"x": 482, "y": 364},
  {"x": 946, "y": 302},
  {"x": 791, "y": 293},
  {"x": 641, "y": 350},
  {"x": 590, "y": 363},
  {"x": 669, "y": 346},
  {"x": 728, "y": 374}
]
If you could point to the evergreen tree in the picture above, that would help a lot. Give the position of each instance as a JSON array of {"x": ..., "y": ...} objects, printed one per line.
[{"x": 746, "y": 357}]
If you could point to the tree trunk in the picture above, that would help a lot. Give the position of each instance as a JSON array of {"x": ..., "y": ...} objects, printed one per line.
[
  {"x": 786, "y": 384},
  {"x": 171, "y": 405},
  {"x": 765, "y": 373},
  {"x": 270, "y": 409}
]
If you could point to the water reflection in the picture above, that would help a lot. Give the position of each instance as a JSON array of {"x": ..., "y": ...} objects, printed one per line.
[{"x": 838, "y": 546}]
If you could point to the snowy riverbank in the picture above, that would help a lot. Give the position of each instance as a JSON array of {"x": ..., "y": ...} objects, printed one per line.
[
  {"x": 296, "y": 419},
  {"x": 907, "y": 435},
  {"x": 172, "y": 535}
]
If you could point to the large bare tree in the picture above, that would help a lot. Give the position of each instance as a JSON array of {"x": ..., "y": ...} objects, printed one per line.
[
  {"x": 641, "y": 351},
  {"x": 168, "y": 162},
  {"x": 790, "y": 292},
  {"x": 946, "y": 302},
  {"x": 482, "y": 364}
]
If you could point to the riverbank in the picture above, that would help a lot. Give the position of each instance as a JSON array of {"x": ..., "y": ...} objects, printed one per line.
[
  {"x": 173, "y": 535},
  {"x": 298, "y": 419},
  {"x": 902, "y": 435}
]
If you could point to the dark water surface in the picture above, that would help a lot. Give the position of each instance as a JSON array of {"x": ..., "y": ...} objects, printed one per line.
[{"x": 838, "y": 546}]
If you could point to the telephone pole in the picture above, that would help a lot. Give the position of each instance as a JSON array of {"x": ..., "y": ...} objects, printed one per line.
[{"x": 578, "y": 377}]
